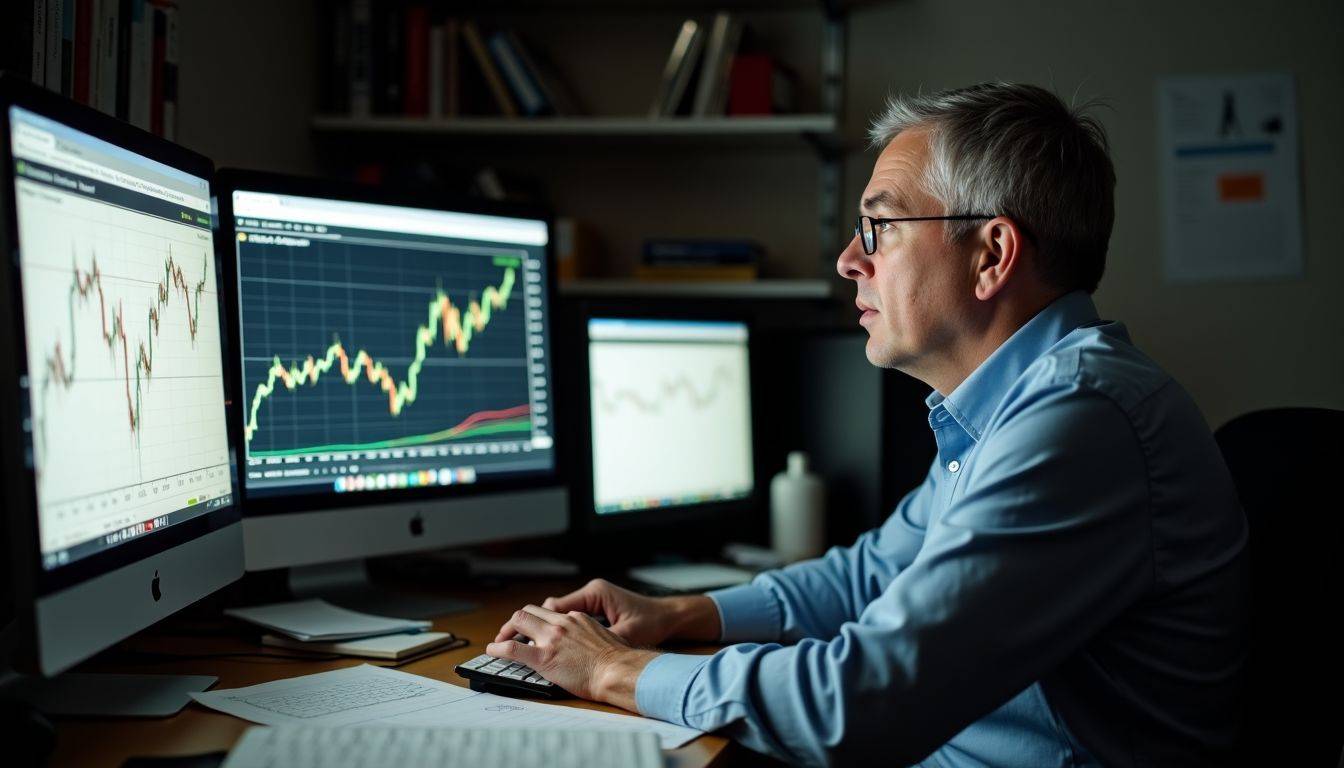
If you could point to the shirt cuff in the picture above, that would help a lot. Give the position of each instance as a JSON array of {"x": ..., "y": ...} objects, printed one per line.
[
  {"x": 748, "y": 613},
  {"x": 660, "y": 691}
]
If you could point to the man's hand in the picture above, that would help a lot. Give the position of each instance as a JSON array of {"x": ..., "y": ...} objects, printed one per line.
[
  {"x": 641, "y": 620},
  {"x": 575, "y": 652}
]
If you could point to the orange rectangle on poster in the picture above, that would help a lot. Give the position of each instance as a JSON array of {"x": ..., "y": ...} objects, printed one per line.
[{"x": 1241, "y": 187}]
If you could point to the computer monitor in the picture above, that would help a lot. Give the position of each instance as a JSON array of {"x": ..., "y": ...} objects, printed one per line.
[
  {"x": 119, "y": 471},
  {"x": 670, "y": 419},
  {"x": 394, "y": 356}
]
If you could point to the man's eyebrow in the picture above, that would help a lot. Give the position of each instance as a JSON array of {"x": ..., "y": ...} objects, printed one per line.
[{"x": 887, "y": 200}]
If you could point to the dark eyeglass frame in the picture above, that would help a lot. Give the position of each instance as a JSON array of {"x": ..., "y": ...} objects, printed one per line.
[{"x": 870, "y": 243}]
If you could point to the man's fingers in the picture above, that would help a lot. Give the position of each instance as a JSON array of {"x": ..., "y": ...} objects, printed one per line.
[
  {"x": 522, "y": 622},
  {"x": 515, "y": 651},
  {"x": 578, "y": 600},
  {"x": 544, "y": 614}
]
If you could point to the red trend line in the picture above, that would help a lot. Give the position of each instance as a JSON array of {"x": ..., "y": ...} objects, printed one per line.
[{"x": 480, "y": 416}]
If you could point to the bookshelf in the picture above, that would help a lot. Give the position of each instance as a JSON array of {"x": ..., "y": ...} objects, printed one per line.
[
  {"x": 575, "y": 127},
  {"x": 808, "y": 34},
  {"x": 776, "y": 289}
]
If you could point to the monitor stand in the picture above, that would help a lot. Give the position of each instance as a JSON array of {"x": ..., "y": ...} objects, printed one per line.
[
  {"x": 80, "y": 694},
  {"x": 347, "y": 584}
]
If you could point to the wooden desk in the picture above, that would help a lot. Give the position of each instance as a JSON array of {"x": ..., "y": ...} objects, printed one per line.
[{"x": 196, "y": 729}]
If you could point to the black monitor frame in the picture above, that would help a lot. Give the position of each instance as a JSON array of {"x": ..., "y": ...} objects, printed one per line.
[
  {"x": 229, "y": 180},
  {"x": 671, "y": 529},
  {"x": 20, "y": 496}
]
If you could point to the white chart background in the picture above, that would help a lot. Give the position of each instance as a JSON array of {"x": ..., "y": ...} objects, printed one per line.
[
  {"x": 96, "y": 475},
  {"x": 669, "y": 420}
]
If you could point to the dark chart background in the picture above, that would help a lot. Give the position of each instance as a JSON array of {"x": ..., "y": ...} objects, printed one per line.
[{"x": 295, "y": 299}]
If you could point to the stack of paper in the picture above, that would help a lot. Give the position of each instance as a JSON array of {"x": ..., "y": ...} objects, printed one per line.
[
  {"x": 310, "y": 620},
  {"x": 366, "y": 694}
]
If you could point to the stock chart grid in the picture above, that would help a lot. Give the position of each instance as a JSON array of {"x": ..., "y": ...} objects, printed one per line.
[{"x": 385, "y": 347}]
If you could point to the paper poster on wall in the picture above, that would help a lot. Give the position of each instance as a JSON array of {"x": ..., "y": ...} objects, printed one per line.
[{"x": 1231, "y": 191}]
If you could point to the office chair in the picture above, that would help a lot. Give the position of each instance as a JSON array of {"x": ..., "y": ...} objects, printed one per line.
[{"x": 1287, "y": 464}]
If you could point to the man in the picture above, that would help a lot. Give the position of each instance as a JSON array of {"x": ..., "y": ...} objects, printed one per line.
[{"x": 1066, "y": 586}]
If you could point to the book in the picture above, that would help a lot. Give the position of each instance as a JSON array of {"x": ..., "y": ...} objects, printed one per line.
[
  {"x": 385, "y": 647},
  {"x": 681, "y": 63},
  {"x": 38, "y": 73},
  {"x": 81, "y": 42},
  {"x": 158, "y": 52},
  {"x": 123, "y": 76},
  {"x": 715, "y": 273},
  {"x": 171, "y": 57},
  {"x": 388, "y": 59},
  {"x": 504, "y": 47},
  {"x": 417, "y": 61},
  {"x": 107, "y": 36},
  {"x": 711, "y": 92},
  {"x": 55, "y": 25},
  {"x": 68, "y": 45},
  {"x": 471, "y": 34},
  {"x": 314, "y": 619},
  {"x": 701, "y": 252},
  {"x": 554, "y": 90},
  {"x": 141, "y": 64},
  {"x": 360, "y": 99}
]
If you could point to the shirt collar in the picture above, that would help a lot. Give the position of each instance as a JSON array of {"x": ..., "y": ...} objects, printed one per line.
[{"x": 974, "y": 400}]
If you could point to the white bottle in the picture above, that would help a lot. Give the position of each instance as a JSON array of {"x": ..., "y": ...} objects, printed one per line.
[{"x": 797, "y": 511}]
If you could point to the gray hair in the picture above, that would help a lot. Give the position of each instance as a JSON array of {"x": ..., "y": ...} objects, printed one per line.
[{"x": 1018, "y": 151}]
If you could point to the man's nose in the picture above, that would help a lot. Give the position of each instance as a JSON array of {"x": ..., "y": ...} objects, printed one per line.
[{"x": 852, "y": 264}]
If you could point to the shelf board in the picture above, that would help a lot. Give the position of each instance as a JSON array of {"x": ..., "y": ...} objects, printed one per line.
[
  {"x": 742, "y": 289},
  {"x": 670, "y": 127}
]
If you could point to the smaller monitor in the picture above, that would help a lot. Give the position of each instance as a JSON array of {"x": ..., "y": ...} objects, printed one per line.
[{"x": 669, "y": 415}]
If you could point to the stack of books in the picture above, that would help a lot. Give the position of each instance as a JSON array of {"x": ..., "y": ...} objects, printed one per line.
[
  {"x": 698, "y": 260},
  {"x": 118, "y": 56},
  {"x": 711, "y": 72},
  {"x": 414, "y": 60}
]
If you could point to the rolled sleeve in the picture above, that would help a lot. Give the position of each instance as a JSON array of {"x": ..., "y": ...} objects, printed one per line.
[
  {"x": 661, "y": 689},
  {"x": 748, "y": 612}
]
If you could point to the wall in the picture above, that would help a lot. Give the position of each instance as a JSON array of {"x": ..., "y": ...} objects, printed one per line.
[
  {"x": 1235, "y": 346},
  {"x": 247, "y": 82},
  {"x": 248, "y": 90}
]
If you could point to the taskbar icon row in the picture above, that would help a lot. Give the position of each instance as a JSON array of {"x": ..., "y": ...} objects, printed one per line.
[{"x": 424, "y": 478}]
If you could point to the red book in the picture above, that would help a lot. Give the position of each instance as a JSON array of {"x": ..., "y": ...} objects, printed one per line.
[
  {"x": 750, "y": 84},
  {"x": 416, "y": 94},
  {"x": 79, "y": 90}
]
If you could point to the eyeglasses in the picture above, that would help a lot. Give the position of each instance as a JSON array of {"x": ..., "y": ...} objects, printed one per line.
[{"x": 866, "y": 227}]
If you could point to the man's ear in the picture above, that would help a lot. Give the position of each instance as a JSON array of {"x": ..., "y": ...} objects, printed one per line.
[{"x": 999, "y": 247}]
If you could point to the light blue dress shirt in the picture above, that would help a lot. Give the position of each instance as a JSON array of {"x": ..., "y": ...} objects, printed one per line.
[{"x": 1066, "y": 587}]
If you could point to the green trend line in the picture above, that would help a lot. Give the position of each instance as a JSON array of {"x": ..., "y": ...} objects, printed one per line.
[
  {"x": 440, "y": 314},
  {"x": 521, "y": 425}
]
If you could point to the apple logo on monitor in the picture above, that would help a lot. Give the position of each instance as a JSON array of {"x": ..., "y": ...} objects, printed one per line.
[
  {"x": 417, "y": 525},
  {"x": 154, "y": 587}
]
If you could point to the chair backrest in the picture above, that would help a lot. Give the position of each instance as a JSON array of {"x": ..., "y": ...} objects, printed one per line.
[{"x": 1288, "y": 466}]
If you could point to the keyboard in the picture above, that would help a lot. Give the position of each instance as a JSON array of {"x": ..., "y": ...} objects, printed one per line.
[
  {"x": 509, "y": 678},
  {"x": 374, "y": 746}
]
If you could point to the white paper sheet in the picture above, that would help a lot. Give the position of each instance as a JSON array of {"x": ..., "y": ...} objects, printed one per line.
[
  {"x": 365, "y": 694},
  {"x": 320, "y": 620},
  {"x": 1231, "y": 189}
]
